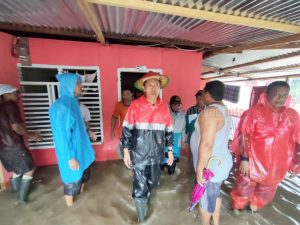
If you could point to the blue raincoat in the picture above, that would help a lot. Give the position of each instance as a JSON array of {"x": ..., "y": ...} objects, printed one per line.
[{"x": 69, "y": 133}]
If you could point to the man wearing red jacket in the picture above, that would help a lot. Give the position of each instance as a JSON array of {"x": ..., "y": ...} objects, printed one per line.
[
  {"x": 147, "y": 130},
  {"x": 269, "y": 133}
]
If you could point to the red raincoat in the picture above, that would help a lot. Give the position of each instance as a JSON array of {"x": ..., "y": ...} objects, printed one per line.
[{"x": 269, "y": 139}]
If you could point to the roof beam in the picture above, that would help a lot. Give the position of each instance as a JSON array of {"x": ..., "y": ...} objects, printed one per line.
[
  {"x": 249, "y": 73},
  {"x": 264, "y": 78},
  {"x": 258, "y": 45},
  {"x": 20, "y": 28},
  {"x": 162, "y": 41},
  {"x": 151, "y": 6},
  {"x": 280, "y": 46},
  {"x": 260, "y": 61},
  {"x": 273, "y": 69},
  {"x": 88, "y": 12}
]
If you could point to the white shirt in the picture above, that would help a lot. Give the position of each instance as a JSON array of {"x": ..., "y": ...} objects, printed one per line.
[{"x": 85, "y": 113}]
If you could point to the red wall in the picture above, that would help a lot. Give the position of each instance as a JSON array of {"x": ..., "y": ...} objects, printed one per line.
[{"x": 183, "y": 68}]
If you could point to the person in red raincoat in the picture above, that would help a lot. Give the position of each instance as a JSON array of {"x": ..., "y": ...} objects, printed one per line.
[{"x": 269, "y": 138}]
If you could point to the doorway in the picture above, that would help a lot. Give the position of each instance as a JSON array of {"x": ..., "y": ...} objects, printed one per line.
[{"x": 128, "y": 76}]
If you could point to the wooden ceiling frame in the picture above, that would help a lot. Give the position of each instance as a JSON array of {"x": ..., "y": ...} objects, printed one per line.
[
  {"x": 264, "y": 78},
  {"x": 249, "y": 73},
  {"x": 260, "y": 61},
  {"x": 162, "y": 41},
  {"x": 257, "y": 45},
  {"x": 195, "y": 13},
  {"x": 13, "y": 27},
  {"x": 91, "y": 18}
]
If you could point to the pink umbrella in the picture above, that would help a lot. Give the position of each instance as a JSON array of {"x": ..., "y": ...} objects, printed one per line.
[{"x": 199, "y": 190}]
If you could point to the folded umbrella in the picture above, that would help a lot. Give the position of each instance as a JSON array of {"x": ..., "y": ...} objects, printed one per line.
[{"x": 199, "y": 190}]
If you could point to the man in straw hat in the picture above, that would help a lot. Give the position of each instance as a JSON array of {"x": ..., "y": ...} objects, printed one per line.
[
  {"x": 14, "y": 155},
  {"x": 147, "y": 130}
]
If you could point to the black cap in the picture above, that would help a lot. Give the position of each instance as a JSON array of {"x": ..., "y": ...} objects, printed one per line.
[
  {"x": 175, "y": 100},
  {"x": 199, "y": 93}
]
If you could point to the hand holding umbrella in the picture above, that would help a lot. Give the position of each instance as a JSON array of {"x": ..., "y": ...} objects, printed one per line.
[{"x": 203, "y": 178}]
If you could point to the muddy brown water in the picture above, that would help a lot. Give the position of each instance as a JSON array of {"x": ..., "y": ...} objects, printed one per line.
[{"x": 107, "y": 200}]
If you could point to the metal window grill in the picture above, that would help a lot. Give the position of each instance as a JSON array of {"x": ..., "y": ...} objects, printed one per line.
[{"x": 37, "y": 98}]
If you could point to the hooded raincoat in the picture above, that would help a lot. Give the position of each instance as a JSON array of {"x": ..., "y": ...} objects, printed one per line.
[
  {"x": 70, "y": 137},
  {"x": 268, "y": 137},
  {"x": 269, "y": 140}
]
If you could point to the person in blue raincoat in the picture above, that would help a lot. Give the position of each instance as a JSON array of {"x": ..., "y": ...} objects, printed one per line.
[{"x": 73, "y": 147}]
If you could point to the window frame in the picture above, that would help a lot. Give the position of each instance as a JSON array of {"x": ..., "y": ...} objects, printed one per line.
[{"x": 61, "y": 68}]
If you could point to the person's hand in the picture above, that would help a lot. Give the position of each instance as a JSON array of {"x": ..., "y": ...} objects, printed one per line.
[
  {"x": 244, "y": 168},
  {"x": 199, "y": 177},
  {"x": 293, "y": 175},
  {"x": 74, "y": 165},
  {"x": 36, "y": 137},
  {"x": 92, "y": 135},
  {"x": 170, "y": 158},
  {"x": 126, "y": 159}
]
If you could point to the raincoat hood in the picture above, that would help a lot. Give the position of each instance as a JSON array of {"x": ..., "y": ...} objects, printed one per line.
[{"x": 68, "y": 82}]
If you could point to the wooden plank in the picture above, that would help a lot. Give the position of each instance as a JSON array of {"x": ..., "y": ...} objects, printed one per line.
[
  {"x": 163, "y": 41},
  {"x": 257, "y": 45},
  {"x": 12, "y": 27},
  {"x": 265, "y": 78},
  {"x": 260, "y": 61},
  {"x": 88, "y": 12},
  {"x": 199, "y": 14},
  {"x": 275, "y": 69}
]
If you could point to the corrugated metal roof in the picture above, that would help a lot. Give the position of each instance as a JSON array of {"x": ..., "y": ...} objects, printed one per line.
[
  {"x": 64, "y": 14},
  {"x": 149, "y": 24}
]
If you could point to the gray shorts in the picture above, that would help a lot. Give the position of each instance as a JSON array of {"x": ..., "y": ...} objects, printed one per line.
[{"x": 208, "y": 200}]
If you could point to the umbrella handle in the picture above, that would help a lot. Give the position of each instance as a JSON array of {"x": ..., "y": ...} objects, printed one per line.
[{"x": 213, "y": 158}]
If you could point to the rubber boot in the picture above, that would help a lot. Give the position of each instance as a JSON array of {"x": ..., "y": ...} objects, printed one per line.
[
  {"x": 15, "y": 183},
  {"x": 150, "y": 197},
  {"x": 24, "y": 190},
  {"x": 141, "y": 208}
]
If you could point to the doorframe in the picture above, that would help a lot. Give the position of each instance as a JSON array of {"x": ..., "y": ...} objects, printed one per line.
[{"x": 139, "y": 69}]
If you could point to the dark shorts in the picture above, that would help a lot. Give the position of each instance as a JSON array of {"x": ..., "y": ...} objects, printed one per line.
[
  {"x": 18, "y": 160},
  {"x": 72, "y": 189},
  {"x": 211, "y": 194}
]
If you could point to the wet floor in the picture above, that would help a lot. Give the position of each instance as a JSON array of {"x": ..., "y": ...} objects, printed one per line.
[{"x": 107, "y": 200}]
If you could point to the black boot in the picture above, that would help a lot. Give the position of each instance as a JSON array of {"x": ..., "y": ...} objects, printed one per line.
[
  {"x": 141, "y": 208},
  {"x": 24, "y": 190},
  {"x": 15, "y": 183}
]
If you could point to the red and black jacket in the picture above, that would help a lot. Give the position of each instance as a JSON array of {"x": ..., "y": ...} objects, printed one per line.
[{"x": 147, "y": 130}]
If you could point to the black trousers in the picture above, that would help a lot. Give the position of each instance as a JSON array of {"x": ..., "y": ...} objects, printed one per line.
[{"x": 145, "y": 178}]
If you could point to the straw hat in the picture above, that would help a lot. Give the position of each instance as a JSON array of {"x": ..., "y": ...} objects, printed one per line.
[{"x": 164, "y": 80}]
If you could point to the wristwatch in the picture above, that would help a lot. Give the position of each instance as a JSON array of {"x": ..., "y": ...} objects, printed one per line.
[{"x": 244, "y": 158}]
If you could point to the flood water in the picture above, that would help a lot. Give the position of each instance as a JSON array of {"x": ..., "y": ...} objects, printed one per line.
[{"x": 107, "y": 200}]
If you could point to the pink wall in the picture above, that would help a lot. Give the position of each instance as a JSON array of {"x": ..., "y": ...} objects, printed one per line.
[{"x": 183, "y": 68}]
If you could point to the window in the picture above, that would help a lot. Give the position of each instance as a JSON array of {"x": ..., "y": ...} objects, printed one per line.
[{"x": 40, "y": 89}]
